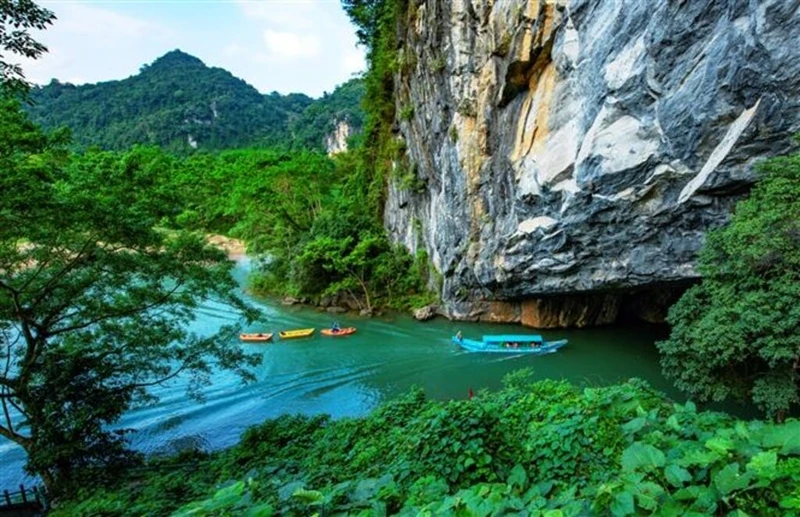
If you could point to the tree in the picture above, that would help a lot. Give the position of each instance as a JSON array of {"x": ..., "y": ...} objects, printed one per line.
[
  {"x": 17, "y": 18},
  {"x": 737, "y": 334},
  {"x": 95, "y": 298}
]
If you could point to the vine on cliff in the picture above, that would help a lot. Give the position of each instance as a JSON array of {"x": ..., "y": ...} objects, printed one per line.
[{"x": 379, "y": 24}]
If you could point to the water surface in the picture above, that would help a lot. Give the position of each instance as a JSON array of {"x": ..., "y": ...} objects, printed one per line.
[{"x": 348, "y": 376}]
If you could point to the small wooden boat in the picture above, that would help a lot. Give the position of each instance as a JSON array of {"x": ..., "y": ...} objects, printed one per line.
[
  {"x": 293, "y": 334},
  {"x": 255, "y": 338},
  {"x": 341, "y": 332},
  {"x": 510, "y": 344}
]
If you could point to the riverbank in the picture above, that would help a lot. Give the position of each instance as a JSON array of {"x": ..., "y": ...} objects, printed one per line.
[
  {"x": 548, "y": 448},
  {"x": 236, "y": 249},
  {"x": 350, "y": 376}
]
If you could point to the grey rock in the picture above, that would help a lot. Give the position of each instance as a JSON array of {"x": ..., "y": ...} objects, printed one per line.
[
  {"x": 426, "y": 313},
  {"x": 585, "y": 146},
  {"x": 336, "y": 310}
]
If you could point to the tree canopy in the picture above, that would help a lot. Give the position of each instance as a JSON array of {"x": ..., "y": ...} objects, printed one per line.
[
  {"x": 179, "y": 104},
  {"x": 736, "y": 335},
  {"x": 95, "y": 297},
  {"x": 17, "y": 18}
]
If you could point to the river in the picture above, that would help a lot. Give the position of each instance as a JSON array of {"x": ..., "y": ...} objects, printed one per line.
[{"x": 348, "y": 376}]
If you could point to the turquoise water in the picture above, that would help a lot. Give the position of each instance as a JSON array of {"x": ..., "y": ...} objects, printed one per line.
[{"x": 348, "y": 376}]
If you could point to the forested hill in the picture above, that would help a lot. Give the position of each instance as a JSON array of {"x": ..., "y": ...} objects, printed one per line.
[{"x": 180, "y": 104}]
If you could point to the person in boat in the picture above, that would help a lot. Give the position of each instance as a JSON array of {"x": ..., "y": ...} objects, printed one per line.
[
  {"x": 514, "y": 345},
  {"x": 459, "y": 336},
  {"x": 335, "y": 327}
]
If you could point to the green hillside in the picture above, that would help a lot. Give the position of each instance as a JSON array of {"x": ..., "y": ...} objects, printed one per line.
[{"x": 179, "y": 103}]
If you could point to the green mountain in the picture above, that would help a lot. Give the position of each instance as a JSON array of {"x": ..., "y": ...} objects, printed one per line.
[{"x": 180, "y": 104}]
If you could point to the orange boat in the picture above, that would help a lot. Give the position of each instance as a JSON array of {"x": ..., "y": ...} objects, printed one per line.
[
  {"x": 255, "y": 338},
  {"x": 341, "y": 332}
]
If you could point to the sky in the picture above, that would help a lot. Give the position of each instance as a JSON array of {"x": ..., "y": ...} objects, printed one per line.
[{"x": 288, "y": 46}]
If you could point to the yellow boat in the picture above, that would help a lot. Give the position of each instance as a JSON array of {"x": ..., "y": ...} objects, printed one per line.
[{"x": 292, "y": 334}]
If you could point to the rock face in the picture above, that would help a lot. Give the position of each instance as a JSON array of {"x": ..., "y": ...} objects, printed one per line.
[
  {"x": 336, "y": 142},
  {"x": 580, "y": 149}
]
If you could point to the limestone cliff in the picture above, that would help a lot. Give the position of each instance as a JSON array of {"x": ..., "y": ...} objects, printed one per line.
[
  {"x": 569, "y": 151},
  {"x": 336, "y": 141}
]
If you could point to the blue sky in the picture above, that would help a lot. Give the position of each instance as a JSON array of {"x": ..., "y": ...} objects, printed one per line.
[{"x": 305, "y": 46}]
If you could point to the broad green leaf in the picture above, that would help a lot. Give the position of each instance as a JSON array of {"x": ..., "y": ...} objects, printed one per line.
[
  {"x": 676, "y": 475},
  {"x": 647, "y": 494},
  {"x": 262, "y": 510},
  {"x": 634, "y": 425},
  {"x": 309, "y": 497},
  {"x": 785, "y": 437},
  {"x": 623, "y": 504},
  {"x": 641, "y": 456},
  {"x": 729, "y": 479},
  {"x": 700, "y": 457},
  {"x": 720, "y": 445},
  {"x": 763, "y": 462},
  {"x": 518, "y": 478}
]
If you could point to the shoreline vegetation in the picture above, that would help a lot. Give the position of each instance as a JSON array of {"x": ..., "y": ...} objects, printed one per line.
[{"x": 547, "y": 448}]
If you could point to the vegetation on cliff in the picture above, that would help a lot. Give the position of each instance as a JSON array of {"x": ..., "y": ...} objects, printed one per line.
[
  {"x": 178, "y": 103},
  {"x": 308, "y": 215},
  {"x": 546, "y": 449},
  {"x": 377, "y": 23},
  {"x": 735, "y": 335}
]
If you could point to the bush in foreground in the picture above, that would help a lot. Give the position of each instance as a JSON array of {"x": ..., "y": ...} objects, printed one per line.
[{"x": 546, "y": 448}]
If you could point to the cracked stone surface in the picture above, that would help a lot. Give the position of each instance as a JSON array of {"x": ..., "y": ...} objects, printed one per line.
[{"x": 574, "y": 149}]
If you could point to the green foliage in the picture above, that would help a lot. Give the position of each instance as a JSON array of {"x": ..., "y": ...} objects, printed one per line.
[
  {"x": 407, "y": 112},
  {"x": 378, "y": 23},
  {"x": 95, "y": 298},
  {"x": 467, "y": 108},
  {"x": 18, "y": 18},
  {"x": 453, "y": 134},
  {"x": 438, "y": 64},
  {"x": 178, "y": 100},
  {"x": 310, "y": 128},
  {"x": 543, "y": 449},
  {"x": 735, "y": 334}
]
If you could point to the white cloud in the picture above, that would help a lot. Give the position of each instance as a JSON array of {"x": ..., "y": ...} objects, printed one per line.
[
  {"x": 294, "y": 14},
  {"x": 354, "y": 61},
  {"x": 94, "y": 22},
  {"x": 234, "y": 50},
  {"x": 290, "y": 45},
  {"x": 91, "y": 44}
]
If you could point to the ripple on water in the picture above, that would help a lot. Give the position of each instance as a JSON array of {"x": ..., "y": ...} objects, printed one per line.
[{"x": 348, "y": 376}]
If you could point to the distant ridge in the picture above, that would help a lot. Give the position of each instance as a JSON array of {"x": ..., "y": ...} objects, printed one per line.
[{"x": 180, "y": 104}]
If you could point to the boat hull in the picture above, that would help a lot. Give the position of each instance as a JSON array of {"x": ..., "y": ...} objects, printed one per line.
[
  {"x": 255, "y": 338},
  {"x": 294, "y": 334},
  {"x": 342, "y": 332},
  {"x": 473, "y": 345}
]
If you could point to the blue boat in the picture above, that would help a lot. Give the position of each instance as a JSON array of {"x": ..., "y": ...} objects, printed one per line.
[{"x": 510, "y": 344}]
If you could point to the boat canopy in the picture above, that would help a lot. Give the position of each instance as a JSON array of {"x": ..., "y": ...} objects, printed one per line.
[{"x": 510, "y": 338}]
